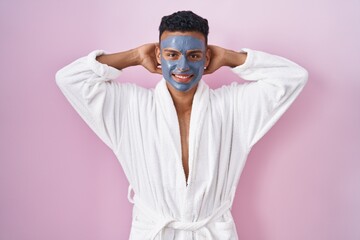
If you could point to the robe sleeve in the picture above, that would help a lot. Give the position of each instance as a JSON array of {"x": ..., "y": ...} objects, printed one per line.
[
  {"x": 90, "y": 88},
  {"x": 274, "y": 84}
]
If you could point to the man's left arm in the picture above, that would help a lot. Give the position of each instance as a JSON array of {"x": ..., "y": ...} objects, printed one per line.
[
  {"x": 221, "y": 57},
  {"x": 274, "y": 84}
]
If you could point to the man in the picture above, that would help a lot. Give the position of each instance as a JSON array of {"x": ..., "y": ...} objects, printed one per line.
[{"x": 182, "y": 145}]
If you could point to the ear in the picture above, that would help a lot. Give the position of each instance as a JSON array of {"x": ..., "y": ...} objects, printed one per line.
[
  {"x": 158, "y": 54},
  {"x": 207, "y": 57}
]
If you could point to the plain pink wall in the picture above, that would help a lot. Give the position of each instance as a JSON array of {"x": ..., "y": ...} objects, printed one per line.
[{"x": 59, "y": 181}]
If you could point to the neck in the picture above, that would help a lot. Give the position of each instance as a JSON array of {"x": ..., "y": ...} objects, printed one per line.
[{"x": 182, "y": 100}]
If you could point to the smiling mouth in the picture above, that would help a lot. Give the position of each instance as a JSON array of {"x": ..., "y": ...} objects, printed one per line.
[{"x": 182, "y": 78}]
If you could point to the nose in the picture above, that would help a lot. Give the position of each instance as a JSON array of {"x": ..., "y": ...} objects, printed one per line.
[{"x": 182, "y": 64}]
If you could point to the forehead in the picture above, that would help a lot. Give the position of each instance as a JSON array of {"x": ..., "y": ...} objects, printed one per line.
[
  {"x": 182, "y": 43},
  {"x": 182, "y": 40}
]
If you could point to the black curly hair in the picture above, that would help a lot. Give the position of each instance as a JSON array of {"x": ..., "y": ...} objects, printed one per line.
[{"x": 184, "y": 21}]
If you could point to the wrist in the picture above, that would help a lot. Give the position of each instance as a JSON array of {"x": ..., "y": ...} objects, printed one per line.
[
  {"x": 234, "y": 59},
  {"x": 134, "y": 57}
]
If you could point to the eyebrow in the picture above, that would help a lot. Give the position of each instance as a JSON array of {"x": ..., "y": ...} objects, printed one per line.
[
  {"x": 194, "y": 51},
  {"x": 170, "y": 50},
  {"x": 188, "y": 51}
]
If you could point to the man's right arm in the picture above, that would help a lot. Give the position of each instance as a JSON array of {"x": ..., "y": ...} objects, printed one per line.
[
  {"x": 143, "y": 55},
  {"x": 87, "y": 83},
  {"x": 120, "y": 60}
]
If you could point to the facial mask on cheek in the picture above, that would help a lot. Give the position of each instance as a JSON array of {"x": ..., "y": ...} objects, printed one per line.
[{"x": 176, "y": 72}]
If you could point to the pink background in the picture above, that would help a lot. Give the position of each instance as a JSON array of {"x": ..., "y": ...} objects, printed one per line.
[{"x": 59, "y": 181}]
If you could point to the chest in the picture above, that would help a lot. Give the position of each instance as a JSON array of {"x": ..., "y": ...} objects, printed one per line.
[
  {"x": 184, "y": 126},
  {"x": 173, "y": 150}
]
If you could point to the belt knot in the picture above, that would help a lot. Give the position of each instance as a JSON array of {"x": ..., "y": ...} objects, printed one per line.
[{"x": 161, "y": 222}]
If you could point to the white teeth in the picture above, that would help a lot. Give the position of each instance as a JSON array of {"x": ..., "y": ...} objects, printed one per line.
[{"x": 182, "y": 76}]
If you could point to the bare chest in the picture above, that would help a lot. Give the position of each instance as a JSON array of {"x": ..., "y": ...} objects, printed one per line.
[{"x": 184, "y": 124}]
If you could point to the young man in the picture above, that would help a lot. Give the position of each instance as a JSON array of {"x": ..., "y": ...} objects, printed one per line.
[{"x": 182, "y": 145}]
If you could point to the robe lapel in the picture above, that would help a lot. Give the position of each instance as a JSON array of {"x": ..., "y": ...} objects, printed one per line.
[
  {"x": 164, "y": 100},
  {"x": 198, "y": 112},
  {"x": 199, "y": 108}
]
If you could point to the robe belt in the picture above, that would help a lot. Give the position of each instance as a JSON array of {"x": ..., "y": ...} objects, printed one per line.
[{"x": 161, "y": 221}]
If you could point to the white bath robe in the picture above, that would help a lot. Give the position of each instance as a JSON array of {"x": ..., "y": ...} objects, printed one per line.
[{"x": 141, "y": 127}]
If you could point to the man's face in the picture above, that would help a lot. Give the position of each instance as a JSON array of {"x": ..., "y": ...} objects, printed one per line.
[{"x": 183, "y": 58}]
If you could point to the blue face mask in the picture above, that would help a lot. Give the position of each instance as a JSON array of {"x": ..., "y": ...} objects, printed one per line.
[{"x": 182, "y": 61}]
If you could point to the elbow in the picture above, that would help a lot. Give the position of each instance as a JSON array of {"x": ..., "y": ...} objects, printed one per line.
[
  {"x": 59, "y": 77},
  {"x": 305, "y": 76},
  {"x": 302, "y": 76}
]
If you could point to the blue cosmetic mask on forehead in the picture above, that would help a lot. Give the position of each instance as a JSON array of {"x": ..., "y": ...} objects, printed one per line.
[{"x": 183, "y": 70}]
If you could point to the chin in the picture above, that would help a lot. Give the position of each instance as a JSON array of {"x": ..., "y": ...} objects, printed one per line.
[{"x": 182, "y": 87}]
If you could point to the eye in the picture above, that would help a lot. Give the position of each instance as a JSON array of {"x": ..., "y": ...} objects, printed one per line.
[
  {"x": 195, "y": 56},
  {"x": 171, "y": 55}
]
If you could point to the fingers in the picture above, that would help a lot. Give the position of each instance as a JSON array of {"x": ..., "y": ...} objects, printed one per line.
[
  {"x": 155, "y": 70},
  {"x": 208, "y": 71},
  {"x": 158, "y": 71},
  {"x": 210, "y": 68}
]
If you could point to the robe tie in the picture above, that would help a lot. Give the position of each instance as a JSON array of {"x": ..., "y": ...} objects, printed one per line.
[{"x": 162, "y": 221}]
